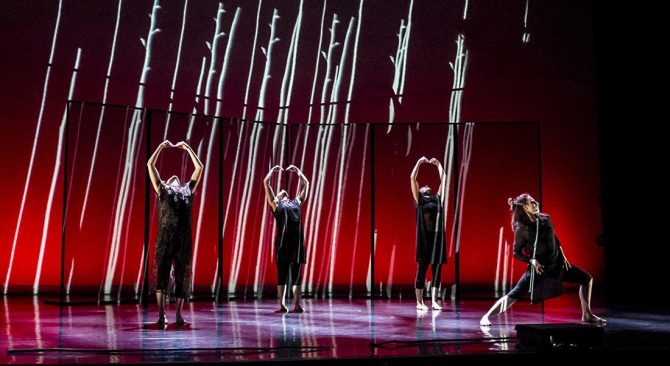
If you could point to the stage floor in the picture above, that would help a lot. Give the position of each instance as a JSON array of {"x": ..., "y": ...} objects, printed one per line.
[{"x": 330, "y": 331}]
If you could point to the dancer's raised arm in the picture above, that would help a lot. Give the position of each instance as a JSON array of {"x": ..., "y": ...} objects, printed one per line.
[
  {"x": 197, "y": 164},
  {"x": 151, "y": 166},
  {"x": 440, "y": 170},
  {"x": 303, "y": 185},
  {"x": 269, "y": 193},
  {"x": 412, "y": 178}
]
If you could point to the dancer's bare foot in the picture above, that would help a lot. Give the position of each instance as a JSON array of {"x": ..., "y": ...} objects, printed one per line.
[
  {"x": 180, "y": 320},
  {"x": 420, "y": 306},
  {"x": 162, "y": 320},
  {"x": 298, "y": 309},
  {"x": 484, "y": 321},
  {"x": 435, "y": 306},
  {"x": 590, "y": 318}
]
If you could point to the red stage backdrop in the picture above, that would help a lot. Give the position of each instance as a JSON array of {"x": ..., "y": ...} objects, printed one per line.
[{"x": 376, "y": 81}]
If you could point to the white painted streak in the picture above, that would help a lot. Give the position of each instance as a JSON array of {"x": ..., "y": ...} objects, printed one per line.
[
  {"x": 212, "y": 138},
  {"x": 69, "y": 278},
  {"x": 368, "y": 281},
  {"x": 499, "y": 258},
  {"x": 316, "y": 68},
  {"x": 214, "y": 51},
  {"x": 353, "y": 64},
  {"x": 226, "y": 62},
  {"x": 341, "y": 181},
  {"x": 198, "y": 88},
  {"x": 389, "y": 280},
  {"x": 176, "y": 70},
  {"x": 203, "y": 195},
  {"x": 319, "y": 158},
  {"x": 358, "y": 208},
  {"x": 251, "y": 63},
  {"x": 405, "y": 48},
  {"x": 504, "y": 275},
  {"x": 38, "y": 129},
  {"x": 251, "y": 167},
  {"x": 132, "y": 146},
  {"x": 54, "y": 178},
  {"x": 102, "y": 114},
  {"x": 139, "y": 272}
]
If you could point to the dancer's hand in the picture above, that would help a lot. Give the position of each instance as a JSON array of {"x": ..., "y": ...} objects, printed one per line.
[
  {"x": 181, "y": 145},
  {"x": 538, "y": 267},
  {"x": 434, "y": 161},
  {"x": 277, "y": 168},
  {"x": 423, "y": 159},
  {"x": 165, "y": 144},
  {"x": 292, "y": 168}
]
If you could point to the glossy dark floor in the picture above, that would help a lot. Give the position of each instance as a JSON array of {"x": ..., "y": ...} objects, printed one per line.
[{"x": 330, "y": 330}]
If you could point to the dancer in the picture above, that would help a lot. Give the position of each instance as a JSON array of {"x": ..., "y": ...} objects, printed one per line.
[
  {"x": 542, "y": 250},
  {"x": 289, "y": 243},
  {"x": 430, "y": 241},
  {"x": 173, "y": 245}
]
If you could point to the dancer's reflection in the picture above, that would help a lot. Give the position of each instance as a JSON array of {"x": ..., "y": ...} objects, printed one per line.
[
  {"x": 289, "y": 338},
  {"x": 427, "y": 338}
]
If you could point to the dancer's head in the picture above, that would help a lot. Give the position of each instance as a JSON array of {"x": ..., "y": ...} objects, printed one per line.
[
  {"x": 523, "y": 208},
  {"x": 173, "y": 181},
  {"x": 282, "y": 195},
  {"x": 426, "y": 192}
]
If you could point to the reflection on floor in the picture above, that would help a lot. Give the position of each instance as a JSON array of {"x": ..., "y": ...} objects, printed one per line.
[{"x": 380, "y": 331}]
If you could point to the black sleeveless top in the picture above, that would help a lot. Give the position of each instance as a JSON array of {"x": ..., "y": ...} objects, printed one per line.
[
  {"x": 289, "y": 243},
  {"x": 548, "y": 251},
  {"x": 175, "y": 221},
  {"x": 175, "y": 214},
  {"x": 430, "y": 241}
]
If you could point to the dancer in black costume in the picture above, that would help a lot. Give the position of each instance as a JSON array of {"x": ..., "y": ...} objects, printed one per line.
[
  {"x": 550, "y": 264},
  {"x": 174, "y": 230},
  {"x": 430, "y": 242},
  {"x": 290, "y": 240}
]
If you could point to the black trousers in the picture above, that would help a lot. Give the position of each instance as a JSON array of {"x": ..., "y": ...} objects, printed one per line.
[
  {"x": 286, "y": 268},
  {"x": 573, "y": 275},
  {"x": 419, "y": 283},
  {"x": 175, "y": 251}
]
